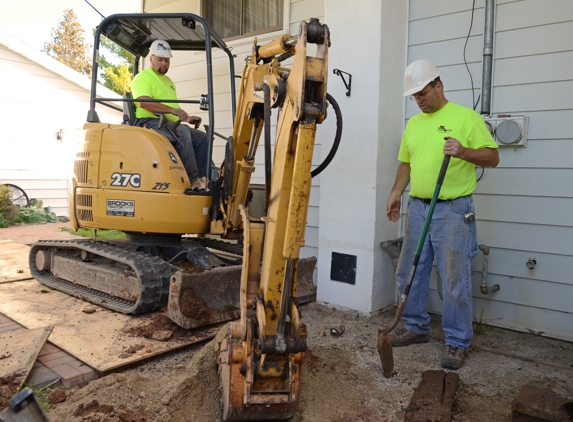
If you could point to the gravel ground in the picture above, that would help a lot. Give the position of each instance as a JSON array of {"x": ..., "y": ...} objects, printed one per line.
[{"x": 341, "y": 379}]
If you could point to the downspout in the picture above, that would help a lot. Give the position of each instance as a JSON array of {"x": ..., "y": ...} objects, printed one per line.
[{"x": 487, "y": 57}]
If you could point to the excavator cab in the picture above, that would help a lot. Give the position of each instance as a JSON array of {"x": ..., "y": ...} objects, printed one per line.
[{"x": 128, "y": 178}]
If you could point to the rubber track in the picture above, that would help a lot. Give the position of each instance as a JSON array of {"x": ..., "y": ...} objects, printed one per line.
[{"x": 152, "y": 272}]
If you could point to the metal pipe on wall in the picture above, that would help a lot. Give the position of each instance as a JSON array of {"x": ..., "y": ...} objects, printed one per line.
[{"x": 486, "y": 87}]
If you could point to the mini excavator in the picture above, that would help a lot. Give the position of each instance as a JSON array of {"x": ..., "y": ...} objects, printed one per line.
[{"x": 184, "y": 250}]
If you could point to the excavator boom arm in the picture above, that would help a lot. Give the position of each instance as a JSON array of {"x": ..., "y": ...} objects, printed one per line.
[{"x": 260, "y": 360}]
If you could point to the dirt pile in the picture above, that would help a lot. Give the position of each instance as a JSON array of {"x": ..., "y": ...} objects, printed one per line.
[
  {"x": 341, "y": 377},
  {"x": 186, "y": 391}
]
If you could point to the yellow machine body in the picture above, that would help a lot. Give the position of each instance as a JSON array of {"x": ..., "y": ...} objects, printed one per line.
[{"x": 131, "y": 179}]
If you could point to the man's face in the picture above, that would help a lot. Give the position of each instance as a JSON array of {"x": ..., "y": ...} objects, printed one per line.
[
  {"x": 428, "y": 99},
  {"x": 159, "y": 65}
]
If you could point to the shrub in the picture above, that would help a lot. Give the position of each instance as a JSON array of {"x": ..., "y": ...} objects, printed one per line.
[
  {"x": 8, "y": 211},
  {"x": 13, "y": 214}
]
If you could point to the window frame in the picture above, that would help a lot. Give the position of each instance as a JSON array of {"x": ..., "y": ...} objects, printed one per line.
[{"x": 284, "y": 28}]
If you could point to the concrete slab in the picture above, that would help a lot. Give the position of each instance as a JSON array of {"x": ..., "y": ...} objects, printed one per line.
[{"x": 535, "y": 404}]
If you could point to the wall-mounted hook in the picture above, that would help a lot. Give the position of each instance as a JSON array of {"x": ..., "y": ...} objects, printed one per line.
[
  {"x": 347, "y": 85},
  {"x": 60, "y": 135}
]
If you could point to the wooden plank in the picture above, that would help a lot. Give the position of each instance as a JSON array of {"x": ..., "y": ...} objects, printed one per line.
[
  {"x": 434, "y": 397},
  {"x": 104, "y": 340},
  {"x": 18, "y": 352},
  {"x": 13, "y": 261}
]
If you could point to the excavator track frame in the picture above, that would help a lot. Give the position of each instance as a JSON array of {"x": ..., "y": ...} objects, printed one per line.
[{"x": 152, "y": 272}]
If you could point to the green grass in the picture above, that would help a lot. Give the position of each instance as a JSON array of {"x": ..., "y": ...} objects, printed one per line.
[{"x": 96, "y": 234}]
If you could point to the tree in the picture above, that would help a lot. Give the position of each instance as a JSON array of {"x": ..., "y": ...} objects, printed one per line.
[
  {"x": 68, "y": 45},
  {"x": 116, "y": 77}
]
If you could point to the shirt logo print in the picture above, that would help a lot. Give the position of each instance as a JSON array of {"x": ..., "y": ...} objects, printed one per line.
[{"x": 443, "y": 129}]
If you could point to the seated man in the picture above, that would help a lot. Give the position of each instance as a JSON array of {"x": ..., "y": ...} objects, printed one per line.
[{"x": 190, "y": 144}]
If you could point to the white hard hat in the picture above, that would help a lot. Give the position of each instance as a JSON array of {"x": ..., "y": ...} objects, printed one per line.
[
  {"x": 419, "y": 74},
  {"x": 160, "y": 48}
]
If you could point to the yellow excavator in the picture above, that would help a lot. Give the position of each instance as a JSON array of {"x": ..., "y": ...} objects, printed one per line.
[{"x": 184, "y": 250}]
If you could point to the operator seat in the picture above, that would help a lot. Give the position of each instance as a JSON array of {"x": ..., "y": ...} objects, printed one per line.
[{"x": 129, "y": 110}]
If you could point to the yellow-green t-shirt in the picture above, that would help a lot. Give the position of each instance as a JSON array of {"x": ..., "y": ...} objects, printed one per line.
[
  {"x": 147, "y": 83},
  {"x": 423, "y": 144}
]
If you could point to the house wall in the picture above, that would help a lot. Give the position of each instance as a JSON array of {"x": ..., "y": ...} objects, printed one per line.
[
  {"x": 523, "y": 205},
  {"x": 369, "y": 43},
  {"x": 36, "y": 102}
]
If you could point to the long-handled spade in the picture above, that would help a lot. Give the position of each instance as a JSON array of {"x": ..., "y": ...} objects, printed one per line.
[{"x": 385, "y": 341}]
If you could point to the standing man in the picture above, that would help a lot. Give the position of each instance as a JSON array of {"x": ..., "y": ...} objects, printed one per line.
[
  {"x": 443, "y": 128},
  {"x": 190, "y": 144}
]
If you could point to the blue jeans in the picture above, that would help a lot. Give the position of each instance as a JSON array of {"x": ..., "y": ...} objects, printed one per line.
[
  {"x": 452, "y": 242},
  {"x": 191, "y": 146}
]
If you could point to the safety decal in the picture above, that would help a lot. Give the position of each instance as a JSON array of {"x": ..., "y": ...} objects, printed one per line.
[
  {"x": 121, "y": 207},
  {"x": 124, "y": 179},
  {"x": 173, "y": 158}
]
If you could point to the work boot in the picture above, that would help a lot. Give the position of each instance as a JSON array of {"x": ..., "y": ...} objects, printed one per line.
[
  {"x": 406, "y": 337},
  {"x": 199, "y": 185},
  {"x": 453, "y": 357}
]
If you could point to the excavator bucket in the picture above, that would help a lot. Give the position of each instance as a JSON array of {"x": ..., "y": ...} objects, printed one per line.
[
  {"x": 209, "y": 297},
  {"x": 212, "y": 296}
]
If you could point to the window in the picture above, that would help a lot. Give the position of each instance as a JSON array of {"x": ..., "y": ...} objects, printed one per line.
[{"x": 240, "y": 18}]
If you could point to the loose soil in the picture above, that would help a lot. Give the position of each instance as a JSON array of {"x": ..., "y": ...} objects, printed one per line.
[
  {"x": 341, "y": 378},
  {"x": 10, "y": 385}
]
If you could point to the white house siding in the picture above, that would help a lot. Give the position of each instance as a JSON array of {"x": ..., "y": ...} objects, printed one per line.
[
  {"x": 523, "y": 206},
  {"x": 39, "y": 97},
  {"x": 188, "y": 72}
]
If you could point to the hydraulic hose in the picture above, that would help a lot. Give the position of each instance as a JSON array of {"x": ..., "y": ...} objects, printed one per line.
[{"x": 337, "y": 138}]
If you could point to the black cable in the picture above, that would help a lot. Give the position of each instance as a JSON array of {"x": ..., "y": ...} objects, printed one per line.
[
  {"x": 337, "y": 137},
  {"x": 465, "y": 61},
  {"x": 481, "y": 175},
  {"x": 475, "y": 103},
  {"x": 102, "y": 16}
]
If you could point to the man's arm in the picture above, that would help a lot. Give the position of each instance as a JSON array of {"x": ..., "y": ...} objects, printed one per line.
[
  {"x": 165, "y": 109},
  {"x": 394, "y": 202},
  {"x": 485, "y": 157},
  {"x": 162, "y": 108}
]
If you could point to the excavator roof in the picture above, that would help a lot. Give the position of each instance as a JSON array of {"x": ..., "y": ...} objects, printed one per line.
[{"x": 136, "y": 32}]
